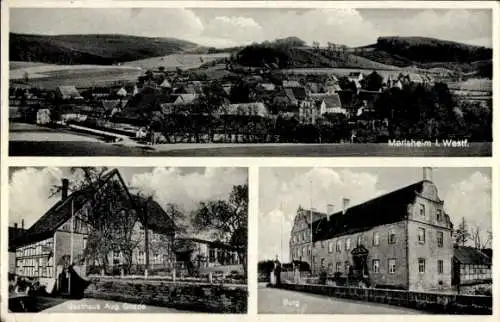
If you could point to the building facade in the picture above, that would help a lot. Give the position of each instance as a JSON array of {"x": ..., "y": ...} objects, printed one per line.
[
  {"x": 60, "y": 237},
  {"x": 402, "y": 239}
]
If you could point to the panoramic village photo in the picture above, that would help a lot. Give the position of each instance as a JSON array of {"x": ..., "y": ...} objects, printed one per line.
[
  {"x": 250, "y": 82},
  {"x": 375, "y": 241},
  {"x": 128, "y": 240}
]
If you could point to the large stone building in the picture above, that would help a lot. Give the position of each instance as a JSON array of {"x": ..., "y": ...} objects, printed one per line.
[{"x": 402, "y": 239}]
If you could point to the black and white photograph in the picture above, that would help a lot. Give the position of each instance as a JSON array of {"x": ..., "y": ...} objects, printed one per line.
[
  {"x": 236, "y": 81},
  {"x": 127, "y": 240},
  {"x": 381, "y": 240}
]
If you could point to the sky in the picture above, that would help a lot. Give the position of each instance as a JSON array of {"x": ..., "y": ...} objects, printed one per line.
[
  {"x": 466, "y": 193},
  {"x": 222, "y": 27},
  {"x": 31, "y": 189}
]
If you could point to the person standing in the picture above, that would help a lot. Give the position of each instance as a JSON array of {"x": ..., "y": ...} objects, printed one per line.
[{"x": 277, "y": 271}]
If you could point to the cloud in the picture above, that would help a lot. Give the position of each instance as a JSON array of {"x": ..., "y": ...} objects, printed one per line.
[
  {"x": 30, "y": 188},
  {"x": 171, "y": 185},
  {"x": 470, "y": 26},
  {"x": 281, "y": 194},
  {"x": 471, "y": 199},
  {"x": 30, "y": 194},
  {"x": 152, "y": 22},
  {"x": 240, "y": 29},
  {"x": 229, "y": 27}
]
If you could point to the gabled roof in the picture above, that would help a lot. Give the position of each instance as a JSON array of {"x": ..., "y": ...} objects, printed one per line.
[
  {"x": 186, "y": 98},
  {"x": 60, "y": 213},
  {"x": 386, "y": 209},
  {"x": 332, "y": 101},
  {"x": 166, "y": 84},
  {"x": 122, "y": 92},
  {"x": 470, "y": 255},
  {"x": 292, "y": 83},
  {"x": 45, "y": 227},
  {"x": 68, "y": 92},
  {"x": 158, "y": 220},
  {"x": 290, "y": 94}
]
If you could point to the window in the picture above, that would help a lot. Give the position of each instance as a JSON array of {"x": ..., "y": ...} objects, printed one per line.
[
  {"x": 392, "y": 237},
  {"x": 359, "y": 240},
  {"x": 304, "y": 251},
  {"x": 392, "y": 266},
  {"x": 376, "y": 239},
  {"x": 376, "y": 265},
  {"x": 330, "y": 268},
  {"x": 330, "y": 247},
  {"x": 346, "y": 267},
  {"x": 84, "y": 243},
  {"x": 309, "y": 250},
  {"x": 322, "y": 262},
  {"x": 348, "y": 244},
  {"x": 439, "y": 215},
  {"x": 422, "y": 210},
  {"x": 440, "y": 237},
  {"x": 440, "y": 267},
  {"x": 421, "y": 265},
  {"x": 339, "y": 246},
  {"x": 338, "y": 267},
  {"x": 421, "y": 236}
]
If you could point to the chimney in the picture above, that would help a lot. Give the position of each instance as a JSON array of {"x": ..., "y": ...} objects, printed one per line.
[
  {"x": 15, "y": 225},
  {"x": 330, "y": 209},
  {"x": 427, "y": 174},
  {"x": 64, "y": 189},
  {"x": 345, "y": 204},
  {"x": 22, "y": 223}
]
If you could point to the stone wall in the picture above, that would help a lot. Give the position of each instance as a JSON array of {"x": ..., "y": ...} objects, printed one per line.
[
  {"x": 431, "y": 302},
  {"x": 201, "y": 297}
]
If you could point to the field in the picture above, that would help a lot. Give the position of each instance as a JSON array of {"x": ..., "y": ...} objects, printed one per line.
[
  {"x": 50, "y": 76},
  {"x": 339, "y": 71},
  {"x": 474, "y": 84},
  {"x": 171, "y": 62}
]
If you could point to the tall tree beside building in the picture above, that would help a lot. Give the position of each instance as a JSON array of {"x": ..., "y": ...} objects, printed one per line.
[
  {"x": 227, "y": 219},
  {"x": 462, "y": 234},
  {"x": 109, "y": 215}
]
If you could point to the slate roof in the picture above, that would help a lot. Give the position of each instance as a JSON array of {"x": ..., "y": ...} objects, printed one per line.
[
  {"x": 186, "y": 98},
  {"x": 289, "y": 84},
  {"x": 470, "y": 255},
  {"x": 60, "y": 213},
  {"x": 68, "y": 92},
  {"x": 290, "y": 94},
  {"x": 385, "y": 209},
  {"x": 332, "y": 100}
]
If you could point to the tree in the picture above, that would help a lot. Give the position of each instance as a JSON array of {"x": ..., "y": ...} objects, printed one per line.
[
  {"x": 373, "y": 82},
  {"x": 227, "y": 219},
  {"x": 462, "y": 234},
  {"x": 481, "y": 240},
  {"x": 109, "y": 214}
]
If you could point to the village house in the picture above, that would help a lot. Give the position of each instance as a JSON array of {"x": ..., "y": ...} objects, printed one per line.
[
  {"x": 402, "y": 239},
  {"x": 470, "y": 266},
  {"x": 58, "y": 239},
  {"x": 208, "y": 256},
  {"x": 68, "y": 93}
]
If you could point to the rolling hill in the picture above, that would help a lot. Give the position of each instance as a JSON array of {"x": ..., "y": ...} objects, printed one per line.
[
  {"x": 91, "y": 49},
  {"x": 429, "y": 53}
]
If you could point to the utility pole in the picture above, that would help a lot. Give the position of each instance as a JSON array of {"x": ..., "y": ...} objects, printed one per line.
[
  {"x": 71, "y": 244},
  {"x": 311, "y": 223}
]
